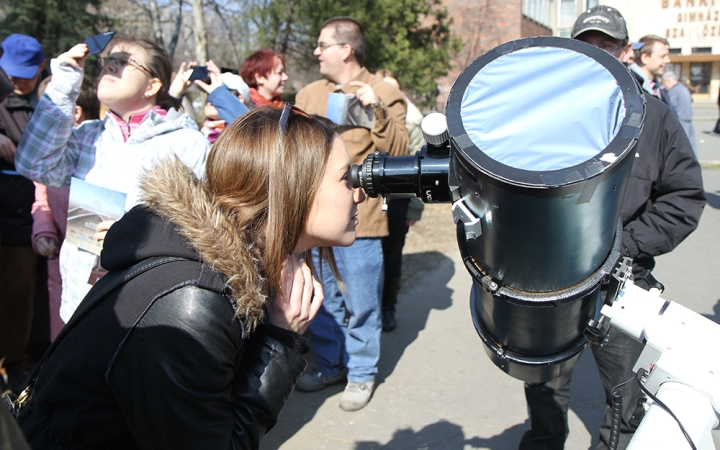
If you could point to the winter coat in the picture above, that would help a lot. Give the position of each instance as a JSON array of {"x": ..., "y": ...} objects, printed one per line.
[
  {"x": 665, "y": 196},
  {"x": 16, "y": 192},
  {"x": 52, "y": 151},
  {"x": 164, "y": 362},
  {"x": 389, "y": 135},
  {"x": 49, "y": 213}
]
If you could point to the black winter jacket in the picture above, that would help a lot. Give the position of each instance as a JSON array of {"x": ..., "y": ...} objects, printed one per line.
[
  {"x": 665, "y": 195},
  {"x": 17, "y": 193},
  {"x": 163, "y": 362}
]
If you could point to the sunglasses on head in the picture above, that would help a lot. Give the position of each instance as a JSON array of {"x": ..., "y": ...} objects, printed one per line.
[{"x": 285, "y": 115}]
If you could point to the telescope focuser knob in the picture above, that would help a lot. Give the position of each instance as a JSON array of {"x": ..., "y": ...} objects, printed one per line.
[{"x": 434, "y": 129}]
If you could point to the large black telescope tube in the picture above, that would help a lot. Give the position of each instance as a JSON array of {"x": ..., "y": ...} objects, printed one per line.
[
  {"x": 540, "y": 148},
  {"x": 542, "y": 135}
]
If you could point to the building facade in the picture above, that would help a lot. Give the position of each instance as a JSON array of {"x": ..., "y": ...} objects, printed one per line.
[{"x": 692, "y": 28}]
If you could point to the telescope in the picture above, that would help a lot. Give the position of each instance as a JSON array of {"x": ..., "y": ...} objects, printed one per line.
[{"x": 534, "y": 154}]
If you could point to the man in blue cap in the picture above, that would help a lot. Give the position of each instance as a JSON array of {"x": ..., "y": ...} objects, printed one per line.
[
  {"x": 23, "y": 276},
  {"x": 23, "y": 61}
]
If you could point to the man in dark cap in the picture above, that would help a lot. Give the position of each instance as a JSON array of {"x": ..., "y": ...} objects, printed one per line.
[
  {"x": 23, "y": 62},
  {"x": 662, "y": 206}
]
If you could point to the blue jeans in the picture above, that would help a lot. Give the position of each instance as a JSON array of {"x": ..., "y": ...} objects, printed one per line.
[{"x": 346, "y": 331}]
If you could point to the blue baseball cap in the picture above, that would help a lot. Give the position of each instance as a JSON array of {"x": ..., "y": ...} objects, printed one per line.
[{"x": 22, "y": 55}]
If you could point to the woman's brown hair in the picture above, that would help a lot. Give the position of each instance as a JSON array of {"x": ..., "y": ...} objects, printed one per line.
[{"x": 267, "y": 179}]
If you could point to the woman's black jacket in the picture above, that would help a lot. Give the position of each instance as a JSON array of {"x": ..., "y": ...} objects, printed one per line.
[{"x": 163, "y": 362}]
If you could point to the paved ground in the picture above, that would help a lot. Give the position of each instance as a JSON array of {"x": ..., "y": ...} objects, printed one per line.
[{"x": 437, "y": 388}]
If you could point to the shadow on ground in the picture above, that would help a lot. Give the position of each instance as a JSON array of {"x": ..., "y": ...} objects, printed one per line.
[
  {"x": 446, "y": 436},
  {"x": 713, "y": 200},
  {"x": 424, "y": 288},
  {"x": 716, "y": 313}
]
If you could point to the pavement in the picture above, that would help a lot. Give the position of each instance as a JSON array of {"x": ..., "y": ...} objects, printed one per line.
[{"x": 437, "y": 389}]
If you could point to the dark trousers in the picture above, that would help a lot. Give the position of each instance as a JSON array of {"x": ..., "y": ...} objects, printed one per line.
[
  {"x": 17, "y": 288},
  {"x": 548, "y": 402},
  {"x": 392, "y": 246}
]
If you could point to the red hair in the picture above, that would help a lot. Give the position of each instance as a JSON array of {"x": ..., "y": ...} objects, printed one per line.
[{"x": 262, "y": 63}]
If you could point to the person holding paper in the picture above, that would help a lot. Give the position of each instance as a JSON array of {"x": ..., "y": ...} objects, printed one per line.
[
  {"x": 142, "y": 127},
  {"x": 352, "y": 348}
]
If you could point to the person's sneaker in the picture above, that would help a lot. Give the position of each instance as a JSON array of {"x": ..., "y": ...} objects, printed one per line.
[
  {"x": 356, "y": 395},
  {"x": 314, "y": 380}
]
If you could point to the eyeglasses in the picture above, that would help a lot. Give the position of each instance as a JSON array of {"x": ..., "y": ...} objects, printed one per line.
[
  {"x": 120, "y": 62},
  {"x": 610, "y": 47},
  {"x": 285, "y": 115},
  {"x": 324, "y": 46}
]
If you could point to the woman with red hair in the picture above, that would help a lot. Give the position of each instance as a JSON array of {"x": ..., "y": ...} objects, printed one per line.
[{"x": 264, "y": 72}]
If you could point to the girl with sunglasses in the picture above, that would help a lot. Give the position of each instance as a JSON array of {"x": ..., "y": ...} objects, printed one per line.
[
  {"x": 143, "y": 126},
  {"x": 202, "y": 352}
]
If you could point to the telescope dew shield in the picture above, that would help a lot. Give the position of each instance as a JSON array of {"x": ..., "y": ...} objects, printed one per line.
[{"x": 541, "y": 133}]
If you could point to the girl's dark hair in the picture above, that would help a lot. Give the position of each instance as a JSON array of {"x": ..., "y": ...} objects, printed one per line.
[
  {"x": 88, "y": 99},
  {"x": 159, "y": 65}
]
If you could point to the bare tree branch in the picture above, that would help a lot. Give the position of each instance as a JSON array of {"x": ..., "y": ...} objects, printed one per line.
[
  {"x": 221, "y": 14},
  {"x": 200, "y": 32},
  {"x": 155, "y": 21},
  {"x": 176, "y": 30}
]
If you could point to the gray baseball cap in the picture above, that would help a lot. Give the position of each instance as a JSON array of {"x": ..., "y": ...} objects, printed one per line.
[{"x": 601, "y": 18}]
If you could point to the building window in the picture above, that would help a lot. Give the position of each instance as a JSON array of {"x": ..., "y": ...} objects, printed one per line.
[
  {"x": 702, "y": 49},
  {"x": 567, "y": 13},
  {"x": 537, "y": 10},
  {"x": 675, "y": 51},
  {"x": 699, "y": 78}
]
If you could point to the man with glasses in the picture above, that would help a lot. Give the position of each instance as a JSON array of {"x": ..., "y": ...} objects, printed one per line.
[
  {"x": 22, "y": 275},
  {"x": 346, "y": 332},
  {"x": 662, "y": 206}
]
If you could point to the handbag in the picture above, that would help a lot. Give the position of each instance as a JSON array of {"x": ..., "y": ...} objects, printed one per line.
[{"x": 105, "y": 286}]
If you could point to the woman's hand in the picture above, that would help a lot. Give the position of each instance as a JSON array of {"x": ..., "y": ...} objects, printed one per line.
[
  {"x": 180, "y": 84},
  {"x": 215, "y": 79},
  {"x": 46, "y": 246},
  {"x": 75, "y": 57},
  {"x": 102, "y": 228},
  {"x": 303, "y": 296}
]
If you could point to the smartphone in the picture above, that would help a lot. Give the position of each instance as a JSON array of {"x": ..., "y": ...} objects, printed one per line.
[
  {"x": 96, "y": 44},
  {"x": 196, "y": 73}
]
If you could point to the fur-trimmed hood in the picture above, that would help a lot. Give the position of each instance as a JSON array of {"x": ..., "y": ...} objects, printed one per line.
[{"x": 179, "y": 217}]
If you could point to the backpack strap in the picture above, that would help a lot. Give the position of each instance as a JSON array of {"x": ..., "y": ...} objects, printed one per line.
[{"x": 105, "y": 285}]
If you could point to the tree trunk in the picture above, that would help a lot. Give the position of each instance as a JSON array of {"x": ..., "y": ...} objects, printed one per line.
[
  {"x": 176, "y": 30},
  {"x": 200, "y": 32},
  {"x": 155, "y": 19}
]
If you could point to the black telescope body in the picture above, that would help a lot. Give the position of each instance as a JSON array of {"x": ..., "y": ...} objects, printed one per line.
[{"x": 541, "y": 137}]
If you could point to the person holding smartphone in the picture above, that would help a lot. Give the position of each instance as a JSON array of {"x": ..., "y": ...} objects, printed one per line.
[{"x": 143, "y": 126}]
